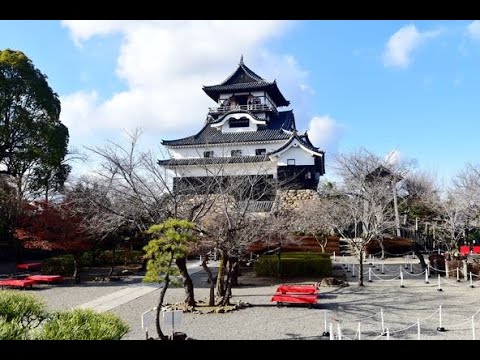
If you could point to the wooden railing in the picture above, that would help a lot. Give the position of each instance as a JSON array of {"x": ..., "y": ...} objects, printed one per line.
[{"x": 251, "y": 107}]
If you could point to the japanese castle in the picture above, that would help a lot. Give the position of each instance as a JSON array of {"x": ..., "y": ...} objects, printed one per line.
[{"x": 247, "y": 134}]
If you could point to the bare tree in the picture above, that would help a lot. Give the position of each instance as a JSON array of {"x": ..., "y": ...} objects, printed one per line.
[{"x": 360, "y": 208}]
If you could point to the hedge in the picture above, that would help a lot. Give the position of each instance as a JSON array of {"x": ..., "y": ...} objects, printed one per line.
[{"x": 294, "y": 264}]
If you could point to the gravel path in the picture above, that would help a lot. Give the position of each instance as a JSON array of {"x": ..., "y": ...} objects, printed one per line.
[{"x": 344, "y": 306}]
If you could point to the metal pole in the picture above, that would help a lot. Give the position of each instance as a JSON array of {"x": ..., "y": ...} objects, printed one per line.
[
  {"x": 401, "y": 279},
  {"x": 426, "y": 277}
]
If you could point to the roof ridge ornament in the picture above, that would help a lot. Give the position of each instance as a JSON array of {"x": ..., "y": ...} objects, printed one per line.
[{"x": 241, "y": 60}]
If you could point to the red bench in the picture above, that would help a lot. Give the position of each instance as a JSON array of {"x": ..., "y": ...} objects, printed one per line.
[
  {"x": 17, "y": 283},
  {"x": 296, "y": 294},
  {"x": 302, "y": 289},
  {"x": 45, "y": 278},
  {"x": 29, "y": 266},
  {"x": 464, "y": 250}
]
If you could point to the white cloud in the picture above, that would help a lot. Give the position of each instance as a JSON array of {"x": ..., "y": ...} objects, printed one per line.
[
  {"x": 473, "y": 29},
  {"x": 325, "y": 133},
  {"x": 165, "y": 64},
  {"x": 399, "y": 48},
  {"x": 394, "y": 157}
]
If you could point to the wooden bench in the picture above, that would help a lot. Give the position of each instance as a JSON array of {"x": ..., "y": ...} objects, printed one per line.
[
  {"x": 296, "y": 294},
  {"x": 45, "y": 278},
  {"x": 23, "y": 283}
]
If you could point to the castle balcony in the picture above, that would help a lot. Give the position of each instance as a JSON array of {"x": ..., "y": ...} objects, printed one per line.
[{"x": 250, "y": 107}]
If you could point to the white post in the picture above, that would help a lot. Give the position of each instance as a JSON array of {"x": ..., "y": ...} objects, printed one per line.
[
  {"x": 411, "y": 266},
  {"x": 359, "y": 331},
  {"x": 369, "y": 274},
  {"x": 383, "y": 322},
  {"x": 473, "y": 327},
  {"x": 251, "y": 256},
  {"x": 334, "y": 256},
  {"x": 416, "y": 224},
  {"x": 364, "y": 257},
  {"x": 447, "y": 270},
  {"x": 383, "y": 268},
  {"x": 401, "y": 279},
  {"x": 388, "y": 334},
  {"x": 471, "y": 280},
  {"x": 426, "y": 277},
  {"x": 325, "y": 320},
  {"x": 332, "y": 337},
  {"x": 348, "y": 267},
  {"x": 418, "y": 329},
  {"x": 440, "y": 317},
  {"x": 428, "y": 269},
  {"x": 343, "y": 260},
  {"x": 215, "y": 255},
  {"x": 353, "y": 271},
  {"x": 339, "y": 332},
  {"x": 458, "y": 274},
  {"x": 200, "y": 258},
  {"x": 438, "y": 251},
  {"x": 406, "y": 262},
  {"x": 439, "y": 287}
]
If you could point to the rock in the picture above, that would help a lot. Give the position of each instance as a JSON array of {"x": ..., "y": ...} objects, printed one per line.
[
  {"x": 331, "y": 281},
  {"x": 220, "y": 311}
]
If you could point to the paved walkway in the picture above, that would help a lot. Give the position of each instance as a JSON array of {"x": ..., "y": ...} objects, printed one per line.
[{"x": 111, "y": 301}]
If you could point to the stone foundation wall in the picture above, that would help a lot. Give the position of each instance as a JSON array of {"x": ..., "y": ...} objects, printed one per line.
[{"x": 294, "y": 199}]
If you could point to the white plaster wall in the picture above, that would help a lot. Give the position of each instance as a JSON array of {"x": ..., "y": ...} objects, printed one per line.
[
  {"x": 222, "y": 151},
  {"x": 268, "y": 168},
  {"x": 301, "y": 156}
]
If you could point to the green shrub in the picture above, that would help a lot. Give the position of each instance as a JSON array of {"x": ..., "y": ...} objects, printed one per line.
[
  {"x": 294, "y": 264},
  {"x": 60, "y": 265},
  {"x": 121, "y": 257},
  {"x": 83, "y": 324},
  {"x": 26, "y": 310},
  {"x": 266, "y": 266},
  {"x": 12, "y": 330}
]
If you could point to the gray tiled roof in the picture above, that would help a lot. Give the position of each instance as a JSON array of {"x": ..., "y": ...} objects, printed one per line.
[
  {"x": 303, "y": 139},
  {"x": 243, "y": 78},
  {"x": 215, "y": 160},
  {"x": 273, "y": 131}
]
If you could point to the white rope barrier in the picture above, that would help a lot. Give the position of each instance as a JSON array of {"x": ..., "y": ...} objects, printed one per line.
[{"x": 405, "y": 328}]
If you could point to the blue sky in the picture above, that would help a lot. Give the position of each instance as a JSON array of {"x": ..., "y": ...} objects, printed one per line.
[{"x": 408, "y": 86}]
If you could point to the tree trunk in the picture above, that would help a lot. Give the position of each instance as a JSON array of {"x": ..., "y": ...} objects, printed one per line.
[
  {"x": 360, "y": 275},
  {"x": 419, "y": 255},
  {"x": 187, "y": 281},
  {"x": 161, "y": 335},
  {"x": 112, "y": 268},
  {"x": 76, "y": 270},
  {"x": 211, "y": 299},
  {"x": 382, "y": 247},
  {"x": 228, "y": 286},
  {"x": 221, "y": 268},
  {"x": 235, "y": 272}
]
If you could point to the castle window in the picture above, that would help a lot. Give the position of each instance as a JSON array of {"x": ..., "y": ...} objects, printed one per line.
[
  {"x": 308, "y": 175},
  {"x": 236, "y": 153},
  {"x": 260, "y": 152},
  {"x": 238, "y": 123},
  {"x": 208, "y": 154},
  {"x": 290, "y": 161}
]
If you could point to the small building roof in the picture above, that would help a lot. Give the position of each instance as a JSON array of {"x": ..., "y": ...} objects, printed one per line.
[{"x": 245, "y": 79}]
